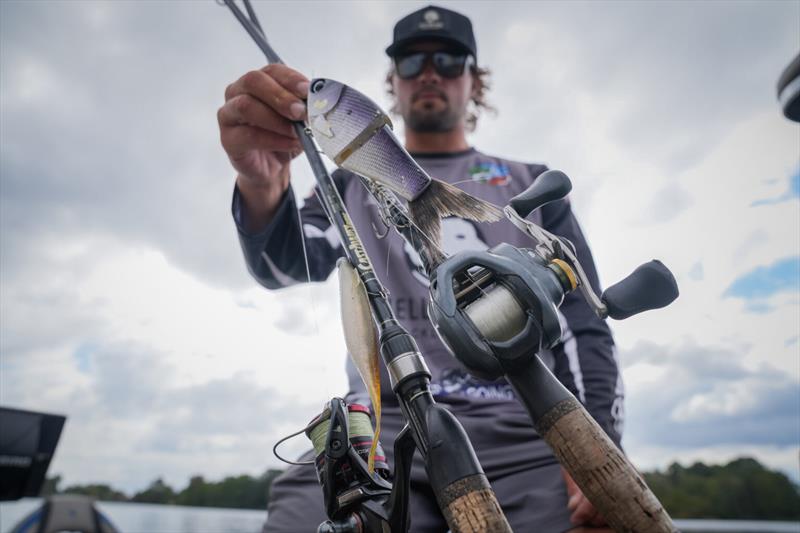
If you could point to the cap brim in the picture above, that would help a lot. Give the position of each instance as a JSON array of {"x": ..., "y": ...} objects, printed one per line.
[{"x": 397, "y": 47}]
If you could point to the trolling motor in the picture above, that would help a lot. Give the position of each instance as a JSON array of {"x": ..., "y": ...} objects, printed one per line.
[
  {"x": 357, "y": 500},
  {"x": 496, "y": 309}
]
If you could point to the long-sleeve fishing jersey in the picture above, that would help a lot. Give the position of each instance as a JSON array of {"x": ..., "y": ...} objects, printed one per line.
[{"x": 585, "y": 360}]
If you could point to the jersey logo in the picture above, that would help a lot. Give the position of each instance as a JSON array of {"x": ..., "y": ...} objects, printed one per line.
[{"x": 490, "y": 173}]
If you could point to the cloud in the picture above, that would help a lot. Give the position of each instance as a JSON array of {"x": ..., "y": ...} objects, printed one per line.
[
  {"x": 125, "y": 301},
  {"x": 707, "y": 396},
  {"x": 85, "y": 153},
  {"x": 666, "y": 204},
  {"x": 792, "y": 192},
  {"x": 148, "y": 362},
  {"x": 765, "y": 281},
  {"x": 696, "y": 273}
]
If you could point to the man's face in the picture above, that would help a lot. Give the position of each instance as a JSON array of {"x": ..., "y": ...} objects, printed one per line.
[{"x": 430, "y": 102}]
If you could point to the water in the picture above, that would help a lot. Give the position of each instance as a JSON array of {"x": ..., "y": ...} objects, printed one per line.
[{"x": 150, "y": 518}]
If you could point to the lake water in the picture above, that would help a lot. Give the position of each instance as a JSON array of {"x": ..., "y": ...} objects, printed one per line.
[{"x": 147, "y": 518}]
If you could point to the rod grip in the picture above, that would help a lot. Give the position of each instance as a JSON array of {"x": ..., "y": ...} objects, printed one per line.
[
  {"x": 606, "y": 477},
  {"x": 470, "y": 506},
  {"x": 462, "y": 491}
]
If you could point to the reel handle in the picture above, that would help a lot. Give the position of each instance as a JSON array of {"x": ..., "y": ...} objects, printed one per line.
[
  {"x": 650, "y": 286},
  {"x": 550, "y": 186}
]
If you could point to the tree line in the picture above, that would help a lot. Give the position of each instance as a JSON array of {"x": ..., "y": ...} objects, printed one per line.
[
  {"x": 742, "y": 489},
  {"x": 233, "y": 492}
]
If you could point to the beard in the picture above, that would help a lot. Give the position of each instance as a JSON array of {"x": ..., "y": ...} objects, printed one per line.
[
  {"x": 430, "y": 121},
  {"x": 429, "y": 118}
]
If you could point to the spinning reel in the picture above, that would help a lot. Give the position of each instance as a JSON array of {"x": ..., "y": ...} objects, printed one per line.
[
  {"x": 496, "y": 309},
  {"x": 357, "y": 500}
]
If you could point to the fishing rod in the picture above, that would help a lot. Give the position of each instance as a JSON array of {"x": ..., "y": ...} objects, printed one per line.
[{"x": 462, "y": 490}]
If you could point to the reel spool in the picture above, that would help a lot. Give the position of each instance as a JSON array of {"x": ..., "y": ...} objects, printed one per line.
[
  {"x": 497, "y": 307},
  {"x": 360, "y": 435},
  {"x": 342, "y": 437}
]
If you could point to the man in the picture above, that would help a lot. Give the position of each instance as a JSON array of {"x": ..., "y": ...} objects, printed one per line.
[{"x": 434, "y": 79}]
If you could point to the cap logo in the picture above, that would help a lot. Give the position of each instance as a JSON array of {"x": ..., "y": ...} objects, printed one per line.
[{"x": 431, "y": 21}]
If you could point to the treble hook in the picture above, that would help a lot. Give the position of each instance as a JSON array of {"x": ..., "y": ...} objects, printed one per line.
[{"x": 378, "y": 234}]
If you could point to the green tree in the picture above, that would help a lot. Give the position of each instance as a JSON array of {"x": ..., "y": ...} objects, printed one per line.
[
  {"x": 196, "y": 493},
  {"x": 742, "y": 489},
  {"x": 97, "y": 490},
  {"x": 157, "y": 492}
]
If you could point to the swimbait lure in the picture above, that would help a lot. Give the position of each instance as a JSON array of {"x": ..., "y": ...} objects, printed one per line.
[
  {"x": 361, "y": 340},
  {"x": 356, "y": 134}
]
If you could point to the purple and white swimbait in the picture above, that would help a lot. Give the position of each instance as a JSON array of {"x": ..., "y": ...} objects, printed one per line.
[{"x": 356, "y": 134}]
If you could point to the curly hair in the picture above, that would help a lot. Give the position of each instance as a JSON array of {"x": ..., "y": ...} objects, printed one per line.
[{"x": 481, "y": 77}]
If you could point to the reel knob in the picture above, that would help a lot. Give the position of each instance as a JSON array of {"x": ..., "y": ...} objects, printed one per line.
[
  {"x": 650, "y": 286},
  {"x": 548, "y": 187}
]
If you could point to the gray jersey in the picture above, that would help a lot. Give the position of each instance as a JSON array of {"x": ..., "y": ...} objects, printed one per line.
[{"x": 584, "y": 361}]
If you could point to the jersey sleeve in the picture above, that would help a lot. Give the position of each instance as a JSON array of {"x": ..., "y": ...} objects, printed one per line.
[
  {"x": 274, "y": 256},
  {"x": 586, "y": 358}
]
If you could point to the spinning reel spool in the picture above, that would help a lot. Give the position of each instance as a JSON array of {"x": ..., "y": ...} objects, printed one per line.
[
  {"x": 357, "y": 500},
  {"x": 342, "y": 436}
]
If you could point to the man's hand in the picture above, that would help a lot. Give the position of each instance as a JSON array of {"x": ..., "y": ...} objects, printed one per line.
[
  {"x": 256, "y": 132},
  {"x": 583, "y": 512}
]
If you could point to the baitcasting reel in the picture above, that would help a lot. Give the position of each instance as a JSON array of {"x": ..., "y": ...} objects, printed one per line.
[{"x": 497, "y": 308}]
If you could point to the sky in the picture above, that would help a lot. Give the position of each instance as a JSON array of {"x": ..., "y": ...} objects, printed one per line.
[{"x": 125, "y": 303}]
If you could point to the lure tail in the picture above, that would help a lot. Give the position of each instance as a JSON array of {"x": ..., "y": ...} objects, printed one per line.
[{"x": 442, "y": 200}]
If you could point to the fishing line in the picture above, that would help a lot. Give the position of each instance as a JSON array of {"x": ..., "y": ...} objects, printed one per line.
[
  {"x": 388, "y": 249},
  {"x": 428, "y": 238},
  {"x": 445, "y": 255},
  {"x": 308, "y": 268},
  {"x": 284, "y": 439},
  {"x": 360, "y": 428},
  {"x": 360, "y": 431}
]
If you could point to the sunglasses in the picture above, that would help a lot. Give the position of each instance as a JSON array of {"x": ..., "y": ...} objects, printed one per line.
[{"x": 446, "y": 64}]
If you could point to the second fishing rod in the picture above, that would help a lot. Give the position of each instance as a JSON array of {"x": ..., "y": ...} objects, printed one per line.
[{"x": 461, "y": 487}]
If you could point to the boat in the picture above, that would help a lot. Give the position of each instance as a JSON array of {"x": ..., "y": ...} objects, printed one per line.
[{"x": 66, "y": 512}]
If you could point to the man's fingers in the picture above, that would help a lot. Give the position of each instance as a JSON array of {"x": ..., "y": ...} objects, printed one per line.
[
  {"x": 584, "y": 512},
  {"x": 265, "y": 88},
  {"x": 574, "y": 500},
  {"x": 289, "y": 78},
  {"x": 572, "y": 487},
  {"x": 598, "y": 520},
  {"x": 243, "y": 109}
]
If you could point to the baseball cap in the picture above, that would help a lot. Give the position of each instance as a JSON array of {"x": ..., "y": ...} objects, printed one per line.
[{"x": 433, "y": 23}]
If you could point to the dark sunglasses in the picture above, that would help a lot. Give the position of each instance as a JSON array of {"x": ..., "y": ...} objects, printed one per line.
[{"x": 446, "y": 64}]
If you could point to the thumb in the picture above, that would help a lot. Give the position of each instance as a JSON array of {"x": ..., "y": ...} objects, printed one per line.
[{"x": 572, "y": 487}]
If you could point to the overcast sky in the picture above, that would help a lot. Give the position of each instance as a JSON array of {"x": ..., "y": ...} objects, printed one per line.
[{"x": 125, "y": 303}]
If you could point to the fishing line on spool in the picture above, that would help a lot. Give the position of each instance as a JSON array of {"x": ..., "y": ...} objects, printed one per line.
[{"x": 360, "y": 434}]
